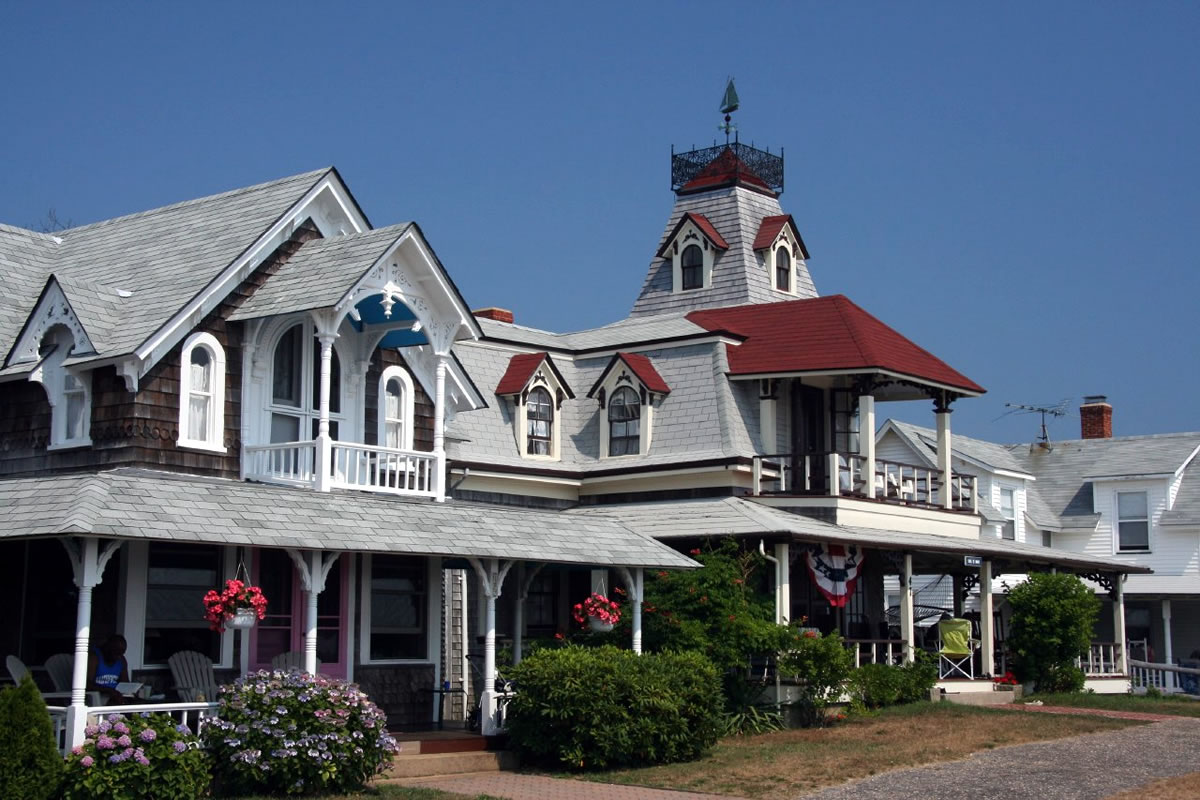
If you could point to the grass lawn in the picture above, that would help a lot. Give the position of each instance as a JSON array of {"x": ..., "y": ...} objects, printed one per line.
[
  {"x": 790, "y": 762},
  {"x": 1185, "y": 787},
  {"x": 1167, "y": 704}
]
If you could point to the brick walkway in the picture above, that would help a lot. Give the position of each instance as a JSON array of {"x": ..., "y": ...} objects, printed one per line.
[
  {"x": 538, "y": 787},
  {"x": 1091, "y": 712}
]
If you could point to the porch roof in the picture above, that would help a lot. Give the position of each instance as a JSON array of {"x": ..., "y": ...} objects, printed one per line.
[
  {"x": 144, "y": 504},
  {"x": 735, "y": 516}
]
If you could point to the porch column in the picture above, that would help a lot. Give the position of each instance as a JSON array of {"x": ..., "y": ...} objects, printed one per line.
[
  {"x": 767, "y": 405},
  {"x": 783, "y": 583},
  {"x": 324, "y": 448},
  {"x": 906, "y": 610},
  {"x": 987, "y": 644},
  {"x": 866, "y": 440},
  {"x": 491, "y": 575},
  {"x": 1119, "y": 621},
  {"x": 88, "y": 561},
  {"x": 634, "y": 585},
  {"x": 942, "y": 409},
  {"x": 313, "y": 566},
  {"x": 1168, "y": 655},
  {"x": 439, "y": 425},
  {"x": 959, "y": 585}
]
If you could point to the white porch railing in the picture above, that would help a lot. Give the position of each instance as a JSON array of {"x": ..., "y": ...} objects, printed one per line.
[
  {"x": 1101, "y": 659},
  {"x": 876, "y": 651},
  {"x": 848, "y": 474},
  {"x": 364, "y": 467},
  {"x": 290, "y": 463},
  {"x": 383, "y": 469},
  {"x": 1167, "y": 678},
  {"x": 193, "y": 715}
]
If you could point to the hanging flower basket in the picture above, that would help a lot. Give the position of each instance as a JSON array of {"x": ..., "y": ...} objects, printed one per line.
[
  {"x": 238, "y": 606},
  {"x": 597, "y": 612}
]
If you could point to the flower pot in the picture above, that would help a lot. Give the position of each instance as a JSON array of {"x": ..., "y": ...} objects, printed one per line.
[
  {"x": 242, "y": 618},
  {"x": 597, "y": 624}
]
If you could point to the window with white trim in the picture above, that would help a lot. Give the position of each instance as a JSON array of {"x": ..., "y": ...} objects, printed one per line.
[
  {"x": 177, "y": 575},
  {"x": 396, "y": 409},
  {"x": 1008, "y": 510},
  {"x": 396, "y": 608},
  {"x": 202, "y": 393},
  {"x": 691, "y": 265},
  {"x": 1133, "y": 523},
  {"x": 624, "y": 423},
  {"x": 69, "y": 392},
  {"x": 783, "y": 269},
  {"x": 539, "y": 422},
  {"x": 295, "y": 403}
]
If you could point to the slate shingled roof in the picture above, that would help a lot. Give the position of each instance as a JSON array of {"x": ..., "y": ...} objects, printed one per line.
[
  {"x": 823, "y": 333},
  {"x": 161, "y": 258},
  {"x": 141, "y": 504},
  {"x": 992, "y": 455},
  {"x": 735, "y": 516}
]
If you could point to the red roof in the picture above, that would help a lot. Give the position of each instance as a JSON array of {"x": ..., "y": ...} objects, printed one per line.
[
  {"x": 725, "y": 168},
  {"x": 701, "y": 222},
  {"x": 520, "y": 369},
  {"x": 822, "y": 333},
  {"x": 768, "y": 231},
  {"x": 646, "y": 373}
]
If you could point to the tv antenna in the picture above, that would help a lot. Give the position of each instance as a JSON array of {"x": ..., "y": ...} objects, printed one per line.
[{"x": 1059, "y": 410}]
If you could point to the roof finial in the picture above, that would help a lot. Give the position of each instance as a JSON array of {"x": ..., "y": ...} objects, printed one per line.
[{"x": 729, "y": 104}]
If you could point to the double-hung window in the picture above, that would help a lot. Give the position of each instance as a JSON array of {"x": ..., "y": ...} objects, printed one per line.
[
  {"x": 624, "y": 423},
  {"x": 398, "y": 608},
  {"x": 1133, "y": 523},
  {"x": 202, "y": 393},
  {"x": 396, "y": 405},
  {"x": 539, "y": 420},
  {"x": 1008, "y": 511},
  {"x": 783, "y": 270},
  {"x": 691, "y": 266}
]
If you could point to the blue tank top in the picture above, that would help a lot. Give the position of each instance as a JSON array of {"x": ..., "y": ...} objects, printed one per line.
[{"x": 108, "y": 675}]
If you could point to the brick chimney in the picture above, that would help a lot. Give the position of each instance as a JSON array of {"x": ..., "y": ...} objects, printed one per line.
[
  {"x": 1095, "y": 417},
  {"x": 498, "y": 314}
]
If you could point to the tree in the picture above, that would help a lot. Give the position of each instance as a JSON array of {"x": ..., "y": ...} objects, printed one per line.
[{"x": 1052, "y": 621}]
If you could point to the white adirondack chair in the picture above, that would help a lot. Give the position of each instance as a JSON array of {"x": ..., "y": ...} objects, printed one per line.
[
  {"x": 59, "y": 667},
  {"x": 292, "y": 659},
  {"x": 193, "y": 675},
  {"x": 16, "y": 668}
]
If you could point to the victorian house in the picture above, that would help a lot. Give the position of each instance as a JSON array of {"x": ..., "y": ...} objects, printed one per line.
[{"x": 262, "y": 383}]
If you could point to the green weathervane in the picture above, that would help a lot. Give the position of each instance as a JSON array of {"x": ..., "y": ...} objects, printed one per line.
[{"x": 729, "y": 104}]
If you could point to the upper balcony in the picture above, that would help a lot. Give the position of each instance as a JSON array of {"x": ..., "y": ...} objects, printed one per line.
[{"x": 345, "y": 465}]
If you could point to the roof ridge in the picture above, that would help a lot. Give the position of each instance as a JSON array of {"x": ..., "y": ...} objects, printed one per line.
[
  {"x": 196, "y": 200},
  {"x": 29, "y": 233}
]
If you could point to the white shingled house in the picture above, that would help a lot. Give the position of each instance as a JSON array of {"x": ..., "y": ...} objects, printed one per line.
[
  {"x": 262, "y": 381},
  {"x": 1132, "y": 499}
]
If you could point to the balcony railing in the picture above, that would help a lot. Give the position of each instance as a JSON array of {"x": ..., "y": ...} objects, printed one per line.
[
  {"x": 1101, "y": 659},
  {"x": 193, "y": 715},
  {"x": 876, "y": 651},
  {"x": 849, "y": 475},
  {"x": 363, "y": 467}
]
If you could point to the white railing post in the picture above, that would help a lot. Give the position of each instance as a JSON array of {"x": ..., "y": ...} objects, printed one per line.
[
  {"x": 835, "y": 475},
  {"x": 943, "y": 454},
  {"x": 757, "y": 471},
  {"x": 1119, "y": 619}
]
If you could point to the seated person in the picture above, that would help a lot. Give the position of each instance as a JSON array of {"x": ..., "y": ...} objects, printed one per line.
[{"x": 107, "y": 667}]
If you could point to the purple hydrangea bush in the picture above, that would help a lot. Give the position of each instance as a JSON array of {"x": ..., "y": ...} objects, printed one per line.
[
  {"x": 293, "y": 733},
  {"x": 134, "y": 756}
]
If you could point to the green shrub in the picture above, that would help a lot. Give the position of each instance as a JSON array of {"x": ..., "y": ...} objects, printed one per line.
[
  {"x": 881, "y": 685},
  {"x": 136, "y": 757},
  {"x": 30, "y": 765},
  {"x": 293, "y": 733},
  {"x": 1062, "y": 679},
  {"x": 1052, "y": 620},
  {"x": 919, "y": 677},
  {"x": 608, "y": 707},
  {"x": 821, "y": 664}
]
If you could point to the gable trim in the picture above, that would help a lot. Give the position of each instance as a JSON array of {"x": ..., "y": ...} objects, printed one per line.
[{"x": 52, "y": 308}]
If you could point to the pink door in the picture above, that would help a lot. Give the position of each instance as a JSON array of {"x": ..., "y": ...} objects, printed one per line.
[{"x": 282, "y": 629}]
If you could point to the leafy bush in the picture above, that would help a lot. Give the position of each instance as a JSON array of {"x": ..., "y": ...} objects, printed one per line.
[
  {"x": 881, "y": 685},
  {"x": 1062, "y": 680},
  {"x": 744, "y": 715},
  {"x": 30, "y": 766},
  {"x": 1052, "y": 620},
  {"x": 821, "y": 664},
  {"x": 293, "y": 733},
  {"x": 136, "y": 756},
  {"x": 608, "y": 707}
]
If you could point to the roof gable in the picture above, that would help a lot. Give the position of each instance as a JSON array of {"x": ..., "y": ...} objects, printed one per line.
[
  {"x": 822, "y": 334},
  {"x": 523, "y": 367},
  {"x": 642, "y": 368},
  {"x": 702, "y": 224},
  {"x": 770, "y": 228},
  {"x": 52, "y": 309}
]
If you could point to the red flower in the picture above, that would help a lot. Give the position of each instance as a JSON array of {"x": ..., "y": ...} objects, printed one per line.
[{"x": 694, "y": 552}]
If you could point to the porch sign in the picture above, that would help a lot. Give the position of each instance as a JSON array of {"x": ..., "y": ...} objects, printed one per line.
[
  {"x": 835, "y": 569},
  {"x": 972, "y": 561}
]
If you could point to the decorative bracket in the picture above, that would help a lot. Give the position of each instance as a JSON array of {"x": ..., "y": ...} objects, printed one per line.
[
  {"x": 491, "y": 578},
  {"x": 315, "y": 569},
  {"x": 969, "y": 582},
  {"x": 87, "y": 564},
  {"x": 1104, "y": 579}
]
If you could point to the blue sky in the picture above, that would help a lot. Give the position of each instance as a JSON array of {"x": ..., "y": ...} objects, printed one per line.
[{"x": 1015, "y": 186}]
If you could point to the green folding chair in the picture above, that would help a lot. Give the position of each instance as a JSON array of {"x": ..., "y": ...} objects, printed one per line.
[{"x": 956, "y": 654}]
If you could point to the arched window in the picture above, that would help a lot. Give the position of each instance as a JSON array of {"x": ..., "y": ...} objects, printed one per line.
[
  {"x": 296, "y": 387},
  {"x": 69, "y": 393},
  {"x": 624, "y": 423},
  {"x": 539, "y": 421},
  {"x": 783, "y": 270},
  {"x": 202, "y": 393},
  {"x": 691, "y": 265},
  {"x": 396, "y": 404}
]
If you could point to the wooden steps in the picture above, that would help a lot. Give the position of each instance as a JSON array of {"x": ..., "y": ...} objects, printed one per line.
[{"x": 429, "y": 753}]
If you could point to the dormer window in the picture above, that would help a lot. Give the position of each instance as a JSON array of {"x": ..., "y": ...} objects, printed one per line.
[
  {"x": 396, "y": 409},
  {"x": 202, "y": 393},
  {"x": 783, "y": 270},
  {"x": 537, "y": 391},
  {"x": 692, "y": 249},
  {"x": 69, "y": 392},
  {"x": 628, "y": 390},
  {"x": 539, "y": 421},
  {"x": 624, "y": 423},
  {"x": 691, "y": 264}
]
